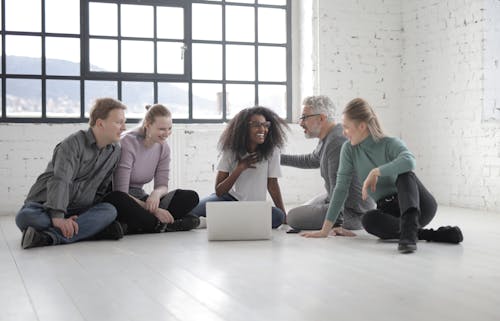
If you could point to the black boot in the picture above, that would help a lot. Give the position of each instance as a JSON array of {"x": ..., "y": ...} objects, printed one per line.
[
  {"x": 409, "y": 229},
  {"x": 444, "y": 234},
  {"x": 33, "y": 238},
  {"x": 113, "y": 231},
  {"x": 186, "y": 223}
]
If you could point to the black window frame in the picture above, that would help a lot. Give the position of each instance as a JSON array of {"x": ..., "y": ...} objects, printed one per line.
[{"x": 119, "y": 77}]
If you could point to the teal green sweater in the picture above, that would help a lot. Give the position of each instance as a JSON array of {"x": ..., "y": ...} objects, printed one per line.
[{"x": 389, "y": 154}]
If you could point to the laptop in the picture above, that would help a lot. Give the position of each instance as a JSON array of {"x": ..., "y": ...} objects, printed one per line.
[{"x": 235, "y": 221}]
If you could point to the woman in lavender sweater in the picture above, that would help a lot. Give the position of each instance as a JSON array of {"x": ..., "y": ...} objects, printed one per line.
[{"x": 145, "y": 156}]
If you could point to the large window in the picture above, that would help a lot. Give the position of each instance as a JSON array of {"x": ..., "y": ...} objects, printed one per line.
[{"x": 206, "y": 60}]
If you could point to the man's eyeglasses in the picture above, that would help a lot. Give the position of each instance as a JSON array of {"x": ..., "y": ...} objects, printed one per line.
[
  {"x": 304, "y": 117},
  {"x": 257, "y": 124}
]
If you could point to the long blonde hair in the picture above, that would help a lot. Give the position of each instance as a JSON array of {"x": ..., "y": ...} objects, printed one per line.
[{"x": 358, "y": 110}]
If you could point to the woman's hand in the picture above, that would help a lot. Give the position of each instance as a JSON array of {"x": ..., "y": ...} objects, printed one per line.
[
  {"x": 370, "y": 182},
  {"x": 315, "y": 234},
  {"x": 248, "y": 161},
  {"x": 325, "y": 230},
  {"x": 153, "y": 201},
  {"x": 340, "y": 231},
  {"x": 164, "y": 216}
]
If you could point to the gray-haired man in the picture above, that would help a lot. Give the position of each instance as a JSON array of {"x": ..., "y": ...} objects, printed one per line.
[{"x": 317, "y": 121}]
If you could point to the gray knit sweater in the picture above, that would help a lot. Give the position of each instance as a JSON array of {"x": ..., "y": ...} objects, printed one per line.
[{"x": 326, "y": 157}]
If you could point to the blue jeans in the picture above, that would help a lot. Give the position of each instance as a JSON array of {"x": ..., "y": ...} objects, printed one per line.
[
  {"x": 278, "y": 216},
  {"x": 90, "y": 221}
]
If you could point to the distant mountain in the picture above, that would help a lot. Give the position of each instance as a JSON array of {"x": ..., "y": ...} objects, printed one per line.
[{"x": 138, "y": 94}]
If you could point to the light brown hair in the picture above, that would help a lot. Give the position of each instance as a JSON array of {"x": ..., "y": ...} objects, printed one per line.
[
  {"x": 358, "y": 110},
  {"x": 153, "y": 111},
  {"x": 102, "y": 107}
]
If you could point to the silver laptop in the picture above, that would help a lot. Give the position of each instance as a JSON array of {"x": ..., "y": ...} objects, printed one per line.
[{"x": 234, "y": 221}]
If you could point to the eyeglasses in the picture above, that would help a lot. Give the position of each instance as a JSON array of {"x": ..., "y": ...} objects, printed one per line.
[
  {"x": 304, "y": 117},
  {"x": 257, "y": 124}
]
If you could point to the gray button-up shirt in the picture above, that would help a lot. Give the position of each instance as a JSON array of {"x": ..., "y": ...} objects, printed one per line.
[{"x": 78, "y": 175}]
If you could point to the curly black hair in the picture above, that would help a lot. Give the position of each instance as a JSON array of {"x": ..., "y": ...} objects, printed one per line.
[{"x": 235, "y": 135}]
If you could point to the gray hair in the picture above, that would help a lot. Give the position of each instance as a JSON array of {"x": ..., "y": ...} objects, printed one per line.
[{"x": 320, "y": 104}]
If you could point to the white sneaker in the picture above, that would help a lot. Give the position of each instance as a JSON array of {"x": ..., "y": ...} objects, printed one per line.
[{"x": 203, "y": 222}]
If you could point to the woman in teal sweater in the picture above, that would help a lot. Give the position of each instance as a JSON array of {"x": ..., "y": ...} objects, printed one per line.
[{"x": 386, "y": 165}]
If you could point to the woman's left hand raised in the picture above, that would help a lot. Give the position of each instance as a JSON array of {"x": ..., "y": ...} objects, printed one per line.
[{"x": 370, "y": 182}]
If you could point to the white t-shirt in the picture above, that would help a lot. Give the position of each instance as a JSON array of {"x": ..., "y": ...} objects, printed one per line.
[{"x": 251, "y": 185}]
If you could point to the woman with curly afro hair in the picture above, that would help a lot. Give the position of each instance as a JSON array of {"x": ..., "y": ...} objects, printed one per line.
[{"x": 249, "y": 165}]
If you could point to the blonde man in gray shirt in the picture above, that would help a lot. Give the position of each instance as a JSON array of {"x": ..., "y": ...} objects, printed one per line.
[
  {"x": 317, "y": 121},
  {"x": 64, "y": 205}
]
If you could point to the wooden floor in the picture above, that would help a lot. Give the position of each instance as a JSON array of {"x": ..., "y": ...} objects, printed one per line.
[{"x": 182, "y": 276}]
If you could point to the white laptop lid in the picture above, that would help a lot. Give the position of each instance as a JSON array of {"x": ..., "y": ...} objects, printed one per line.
[{"x": 238, "y": 220}]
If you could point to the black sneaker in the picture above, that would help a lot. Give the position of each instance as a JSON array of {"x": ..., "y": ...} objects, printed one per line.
[
  {"x": 186, "y": 223},
  {"x": 449, "y": 234},
  {"x": 33, "y": 238},
  {"x": 113, "y": 231}
]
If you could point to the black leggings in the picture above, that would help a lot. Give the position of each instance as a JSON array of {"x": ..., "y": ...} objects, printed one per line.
[
  {"x": 139, "y": 220},
  {"x": 384, "y": 221}
]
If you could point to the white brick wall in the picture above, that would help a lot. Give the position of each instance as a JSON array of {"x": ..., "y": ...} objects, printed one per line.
[
  {"x": 428, "y": 67},
  {"x": 360, "y": 48},
  {"x": 443, "y": 70},
  {"x": 25, "y": 150}
]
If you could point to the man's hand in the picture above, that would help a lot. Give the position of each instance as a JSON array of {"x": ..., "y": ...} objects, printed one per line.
[
  {"x": 67, "y": 226},
  {"x": 164, "y": 216}
]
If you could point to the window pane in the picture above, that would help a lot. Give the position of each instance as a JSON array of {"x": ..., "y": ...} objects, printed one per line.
[
  {"x": 63, "y": 56},
  {"x": 207, "y": 22},
  {"x": 1, "y": 49},
  {"x": 273, "y": 2},
  {"x": 272, "y": 25},
  {"x": 55, "y": 21},
  {"x": 136, "y": 95},
  {"x": 243, "y": 1},
  {"x": 207, "y": 61},
  {"x": 103, "y": 19},
  {"x": 240, "y": 23},
  {"x": 272, "y": 64},
  {"x": 207, "y": 101},
  {"x": 240, "y": 62},
  {"x": 170, "y": 58},
  {"x": 98, "y": 89},
  {"x": 63, "y": 98},
  {"x": 170, "y": 22},
  {"x": 273, "y": 97},
  {"x": 24, "y": 97},
  {"x": 176, "y": 97},
  {"x": 137, "y": 56},
  {"x": 103, "y": 55},
  {"x": 137, "y": 21},
  {"x": 239, "y": 97},
  {"x": 23, "y": 55},
  {"x": 17, "y": 18},
  {"x": 1, "y": 101}
]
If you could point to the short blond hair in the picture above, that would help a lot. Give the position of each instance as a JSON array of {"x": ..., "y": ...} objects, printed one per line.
[{"x": 102, "y": 107}]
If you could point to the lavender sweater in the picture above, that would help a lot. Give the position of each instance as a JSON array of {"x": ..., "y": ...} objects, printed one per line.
[{"x": 139, "y": 164}]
